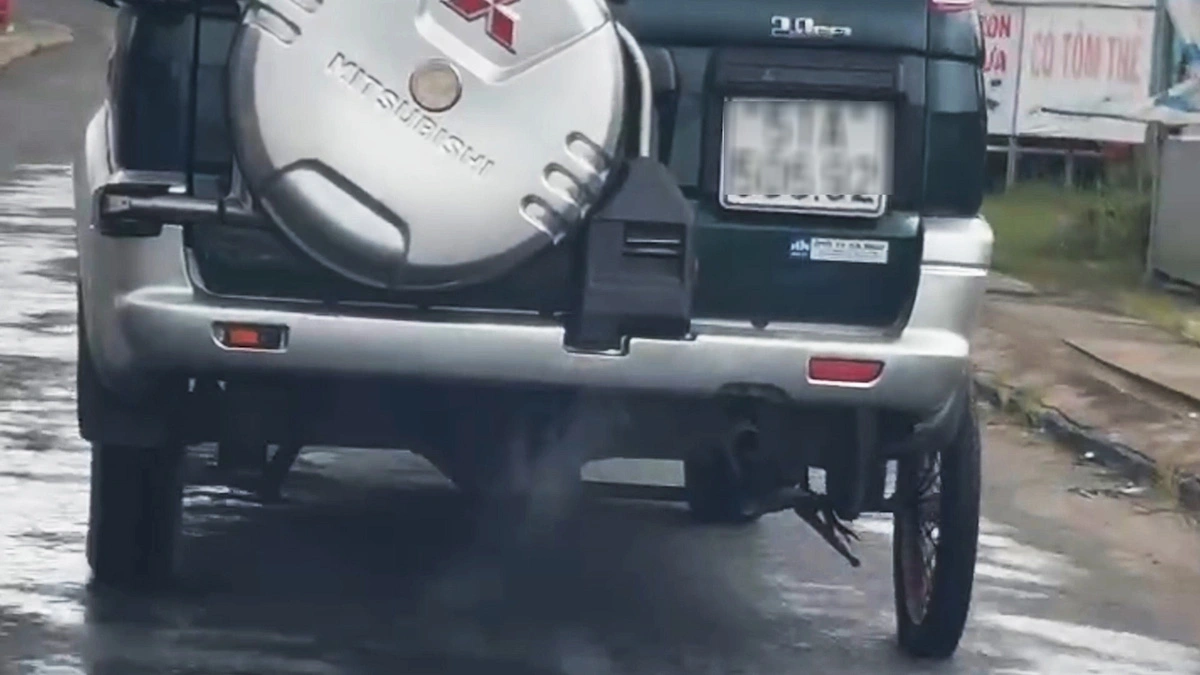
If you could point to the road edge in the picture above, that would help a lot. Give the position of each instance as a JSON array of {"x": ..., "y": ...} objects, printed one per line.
[
  {"x": 1089, "y": 443},
  {"x": 1148, "y": 382},
  {"x": 31, "y": 37}
]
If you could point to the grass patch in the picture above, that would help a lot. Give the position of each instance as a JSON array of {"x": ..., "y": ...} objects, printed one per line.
[
  {"x": 1161, "y": 310},
  {"x": 1065, "y": 239},
  {"x": 1085, "y": 243}
]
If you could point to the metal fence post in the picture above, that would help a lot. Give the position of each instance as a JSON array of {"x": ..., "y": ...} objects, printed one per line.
[
  {"x": 1161, "y": 78},
  {"x": 1010, "y": 168}
]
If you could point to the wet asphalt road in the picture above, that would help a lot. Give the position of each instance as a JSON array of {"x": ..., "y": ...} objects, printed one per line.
[{"x": 371, "y": 567}]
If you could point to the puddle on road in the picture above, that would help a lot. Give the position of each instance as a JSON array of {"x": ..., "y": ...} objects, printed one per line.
[
  {"x": 1062, "y": 647},
  {"x": 1014, "y": 583},
  {"x": 43, "y": 493},
  {"x": 1017, "y": 585},
  {"x": 37, "y": 247},
  {"x": 43, "y": 466},
  {"x": 59, "y": 665}
]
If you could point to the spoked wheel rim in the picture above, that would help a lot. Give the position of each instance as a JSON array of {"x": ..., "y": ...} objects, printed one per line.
[{"x": 919, "y": 521}]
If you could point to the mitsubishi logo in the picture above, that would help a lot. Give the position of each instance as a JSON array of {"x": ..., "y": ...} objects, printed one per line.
[{"x": 501, "y": 22}]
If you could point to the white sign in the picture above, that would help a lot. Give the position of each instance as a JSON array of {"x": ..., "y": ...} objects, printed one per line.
[
  {"x": 849, "y": 250},
  {"x": 1083, "y": 57},
  {"x": 1002, "y": 40}
]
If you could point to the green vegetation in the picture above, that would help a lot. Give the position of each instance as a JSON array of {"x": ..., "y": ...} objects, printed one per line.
[
  {"x": 1070, "y": 240},
  {"x": 1086, "y": 243}
]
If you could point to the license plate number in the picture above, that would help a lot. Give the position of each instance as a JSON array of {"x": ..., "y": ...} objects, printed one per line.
[{"x": 807, "y": 156}]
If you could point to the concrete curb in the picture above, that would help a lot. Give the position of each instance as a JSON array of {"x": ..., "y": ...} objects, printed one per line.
[
  {"x": 1003, "y": 284},
  {"x": 30, "y": 38},
  {"x": 1148, "y": 382},
  {"x": 1089, "y": 442}
]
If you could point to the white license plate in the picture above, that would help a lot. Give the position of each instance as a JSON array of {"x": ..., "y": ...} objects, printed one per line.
[{"x": 807, "y": 156}]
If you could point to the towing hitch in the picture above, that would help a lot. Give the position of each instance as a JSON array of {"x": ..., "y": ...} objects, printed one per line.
[
  {"x": 818, "y": 511},
  {"x": 815, "y": 509}
]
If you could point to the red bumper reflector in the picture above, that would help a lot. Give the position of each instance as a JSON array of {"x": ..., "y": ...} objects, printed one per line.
[
  {"x": 850, "y": 371},
  {"x": 250, "y": 336}
]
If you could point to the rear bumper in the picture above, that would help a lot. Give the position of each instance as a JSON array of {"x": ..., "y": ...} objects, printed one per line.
[{"x": 148, "y": 314}]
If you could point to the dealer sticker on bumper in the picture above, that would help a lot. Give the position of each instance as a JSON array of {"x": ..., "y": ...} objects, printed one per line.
[{"x": 869, "y": 251}]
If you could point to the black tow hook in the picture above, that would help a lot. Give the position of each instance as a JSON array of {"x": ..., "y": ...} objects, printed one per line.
[{"x": 816, "y": 510}]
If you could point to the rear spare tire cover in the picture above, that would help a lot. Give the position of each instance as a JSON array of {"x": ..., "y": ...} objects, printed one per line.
[{"x": 426, "y": 143}]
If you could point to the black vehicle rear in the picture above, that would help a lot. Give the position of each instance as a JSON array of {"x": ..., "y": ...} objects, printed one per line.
[{"x": 768, "y": 255}]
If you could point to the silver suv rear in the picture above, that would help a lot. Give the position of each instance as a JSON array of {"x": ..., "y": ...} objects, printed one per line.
[{"x": 749, "y": 238}]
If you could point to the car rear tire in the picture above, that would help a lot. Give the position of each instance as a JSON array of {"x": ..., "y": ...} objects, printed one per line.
[
  {"x": 135, "y": 514},
  {"x": 935, "y": 541},
  {"x": 136, "y": 483}
]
